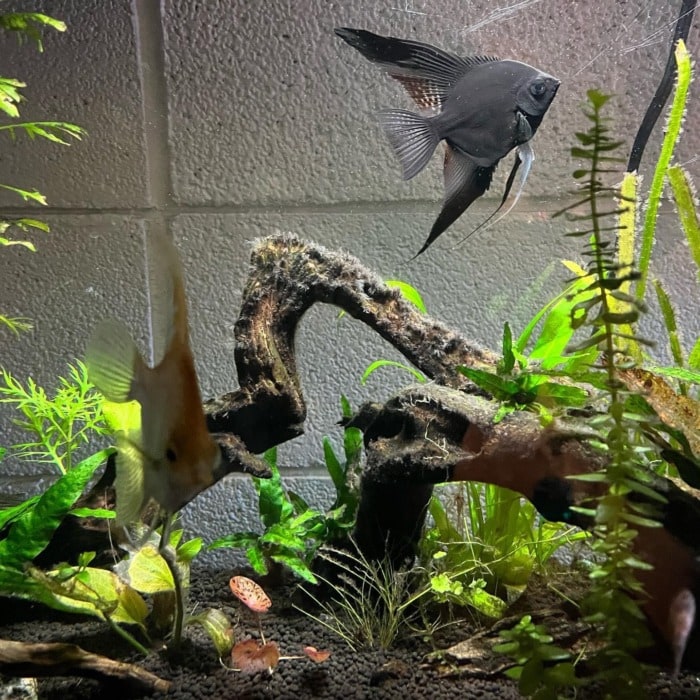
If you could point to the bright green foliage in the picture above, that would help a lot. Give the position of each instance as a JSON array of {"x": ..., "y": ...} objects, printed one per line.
[
  {"x": 78, "y": 589},
  {"x": 27, "y": 25},
  {"x": 31, "y": 529},
  {"x": 684, "y": 198},
  {"x": 483, "y": 553},
  {"x": 217, "y": 626},
  {"x": 59, "y": 426},
  {"x": 377, "y": 364},
  {"x": 293, "y": 530},
  {"x": 668, "y": 314},
  {"x": 519, "y": 389},
  {"x": 673, "y": 130},
  {"x": 162, "y": 570},
  {"x": 549, "y": 349},
  {"x": 410, "y": 293},
  {"x": 542, "y": 669},
  {"x": 345, "y": 476}
]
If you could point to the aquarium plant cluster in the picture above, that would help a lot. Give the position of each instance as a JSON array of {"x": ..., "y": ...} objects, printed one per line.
[{"x": 483, "y": 544}]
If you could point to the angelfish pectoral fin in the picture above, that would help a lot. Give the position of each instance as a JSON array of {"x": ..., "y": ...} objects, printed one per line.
[
  {"x": 113, "y": 361},
  {"x": 464, "y": 182},
  {"x": 128, "y": 481}
]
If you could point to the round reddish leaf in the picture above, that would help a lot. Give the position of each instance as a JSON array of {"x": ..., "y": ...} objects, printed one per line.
[
  {"x": 315, "y": 655},
  {"x": 250, "y": 657},
  {"x": 250, "y": 594}
]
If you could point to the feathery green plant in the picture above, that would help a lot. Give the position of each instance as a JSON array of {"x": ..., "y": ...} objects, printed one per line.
[
  {"x": 612, "y": 603},
  {"x": 59, "y": 426},
  {"x": 27, "y": 25}
]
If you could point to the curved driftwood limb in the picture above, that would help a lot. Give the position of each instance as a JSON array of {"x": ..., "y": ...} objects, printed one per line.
[
  {"x": 58, "y": 659},
  {"x": 288, "y": 276}
]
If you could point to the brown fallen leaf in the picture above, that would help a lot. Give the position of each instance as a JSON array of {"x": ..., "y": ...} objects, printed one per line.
[
  {"x": 677, "y": 411},
  {"x": 250, "y": 594},
  {"x": 249, "y": 656},
  {"x": 317, "y": 656}
]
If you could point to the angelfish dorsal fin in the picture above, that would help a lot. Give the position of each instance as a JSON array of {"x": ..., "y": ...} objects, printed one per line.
[
  {"x": 425, "y": 71},
  {"x": 166, "y": 294}
]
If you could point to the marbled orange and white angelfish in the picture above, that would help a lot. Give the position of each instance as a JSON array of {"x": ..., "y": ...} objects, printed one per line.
[{"x": 172, "y": 456}]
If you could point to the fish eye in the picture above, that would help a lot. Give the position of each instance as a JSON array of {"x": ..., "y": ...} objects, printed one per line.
[
  {"x": 538, "y": 88},
  {"x": 170, "y": 455}
]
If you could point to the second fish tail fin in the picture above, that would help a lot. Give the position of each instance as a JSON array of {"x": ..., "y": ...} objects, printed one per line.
[{"x": 413, "y": 137}]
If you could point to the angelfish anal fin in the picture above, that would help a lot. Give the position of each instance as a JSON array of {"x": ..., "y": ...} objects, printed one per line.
[{"x": 465, "y": 181}]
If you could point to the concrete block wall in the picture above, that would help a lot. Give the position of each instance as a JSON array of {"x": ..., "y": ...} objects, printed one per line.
[{"x": 223, "y": 120}]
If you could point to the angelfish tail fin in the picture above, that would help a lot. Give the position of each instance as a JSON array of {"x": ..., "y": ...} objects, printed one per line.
[{"x": 413, "y": 137}]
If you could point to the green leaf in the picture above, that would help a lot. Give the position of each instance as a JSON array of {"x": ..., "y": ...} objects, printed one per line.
[
  {"x": 694, "y": 357},
  {"x": 668, "y": 315},
  {"x": 495, "y": 385},
  {"x": 104, "y": 513},
  {"x": 26, "y": 195},
  {"x": 16, "y": 325},
  {"x": 391, "y": 363},
  {"x": 409, "y": 292},
  {"x": 25, "y": 244},
  {"x": 557, "y": 331},
  {"x": 239, "y": 539},
  {"x": 218, "y": 627},
  {"x": 273, "y": 504},
  {"x": 300, "y": 505},
  {"x": 672, "y": 131},
  {"x": 296, "y": 565},
  {"x": 32, "y": 531},
  {"x": 691, "y": 376},
  {"x": 11, "y": 513},
  {"x": 257, "y": 560},
  {"x": 506, "y": 365},
  {"x": 104, "y": 591},
  {"x": 687, "y": 211},
  {"x": 189, "y": 550},
  {"x": 10, "y": 96},
  {"x": 333, "y": 466},
  {"x": 148, "y": 572}
]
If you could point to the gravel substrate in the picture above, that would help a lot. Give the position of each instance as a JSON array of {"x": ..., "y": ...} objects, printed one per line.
[{"x": 401, "y": 672}]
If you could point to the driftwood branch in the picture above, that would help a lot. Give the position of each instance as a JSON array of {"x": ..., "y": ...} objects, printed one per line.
[
  {"x": 22, "y": 659},
  {"x": 287, "y": 277}
]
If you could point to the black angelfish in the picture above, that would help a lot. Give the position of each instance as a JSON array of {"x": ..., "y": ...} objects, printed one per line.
[{"x": 485, "y": 108}]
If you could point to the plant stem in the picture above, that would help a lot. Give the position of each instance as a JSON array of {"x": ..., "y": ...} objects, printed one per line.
[
  {"x": 128, "y": 636},
  {"x": 170, "y": 559}
]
